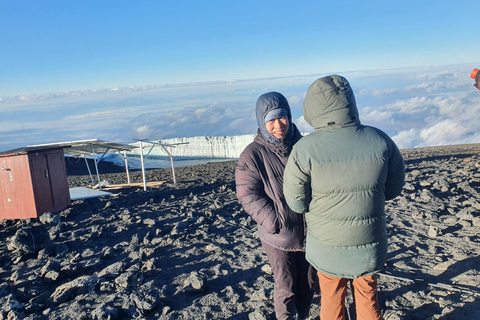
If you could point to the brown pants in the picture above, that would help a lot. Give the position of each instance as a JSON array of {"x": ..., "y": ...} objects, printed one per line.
[{"x": 334, "y": 291}]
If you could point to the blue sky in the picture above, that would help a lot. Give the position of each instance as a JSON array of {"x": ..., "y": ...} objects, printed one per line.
[
  {"x": 99, "y": 69},
  {"x": 51, "y": 46}
]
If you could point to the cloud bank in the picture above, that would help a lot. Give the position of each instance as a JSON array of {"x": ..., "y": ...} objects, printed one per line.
[{"x": 416, "y": 107}]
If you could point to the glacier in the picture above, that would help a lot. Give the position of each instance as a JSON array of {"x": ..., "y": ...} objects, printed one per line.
[
  {"x": 227, "y": 147},
  {"x": 184, "y": 151}
]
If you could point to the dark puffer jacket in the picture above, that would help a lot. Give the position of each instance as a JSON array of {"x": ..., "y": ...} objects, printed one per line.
[{"x": 259, "y": 181}]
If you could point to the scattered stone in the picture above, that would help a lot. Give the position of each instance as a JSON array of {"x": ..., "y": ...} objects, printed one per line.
[
  {"x": 259, "y": 295},
  {"x": 145, "y": 301},
  {"x": 42, "y": 254},
  {"x": 425, "y": 183},
  {"x": 105, "y": 312},
  {"x": 55, "y": 231},
  {"x": 434, "y": 232},
  {"x": 415, "y": 174},
  {"x": 267, "y": 269},
  {"x": 76, "y": 258},
  {"x": 211, "y": 247},
  {"x": 71, "y": 270},
  {"x": 49, "y": 218},
  {"x": 149, "y": 222},
  {"x": 426, "y": 195},
  {"x": 451, "y": 210},
  {"x": 195, "y": 283},
  {"x": 12, "y": 315},
  {"x": 109, "y": 204},
  {"x": 107, "y": 253},
  {"x": 418, "y": 215},
  {"x": 465, "y": 223},
  {"x": 32, "y": 277},
  {"x": 136, "y": 255},
  {"x": 450, "y": 221},
  {"x": 128, "y": 279},
  {"x": 135, "y": 240},
  {"x": 409, "y": 186},
  {"x": 87, "y": 253},
  {"x": 67, "y": 291},
  {"x": 96, "y": 229},
  {"x": 107, "y": 286},
  {"x": 466, "y": 214},
  {"x": 441, "y": 184},
  {"x": 132, "y": 228},
  {"x": 257, "y": 315},
  {"x": 16, "y": 275},
  {"x": 394, "y": 315},
  {"x": 23, "y": 241},
  {"x": 149, "y": 266},
  {"x": 52, "y": 276},
  {"x": 476, "y": 221},
  {"x": 51, "y": 265},
  {"x": 112, "y": 270},
  {"x": 9, "y": 303}
]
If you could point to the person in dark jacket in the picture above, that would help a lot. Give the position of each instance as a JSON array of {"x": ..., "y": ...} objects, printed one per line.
[
  {"x": 259, "y": 184},
  {"x": 340, "y": 176}
]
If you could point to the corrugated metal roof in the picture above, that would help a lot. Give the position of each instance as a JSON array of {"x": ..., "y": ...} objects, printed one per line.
[
  {"x": 77, "y": 148},
  {"x": 25, "y": 150}
]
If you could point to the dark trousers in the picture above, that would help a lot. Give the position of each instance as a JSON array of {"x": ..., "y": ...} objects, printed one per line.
[{"x": 294, "y": 281}]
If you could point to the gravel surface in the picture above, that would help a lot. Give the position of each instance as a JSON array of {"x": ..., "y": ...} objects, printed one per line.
[{"x": 189, "y": 251}]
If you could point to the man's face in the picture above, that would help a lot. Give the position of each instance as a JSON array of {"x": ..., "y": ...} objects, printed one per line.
[{"x": 278, "y": 127}]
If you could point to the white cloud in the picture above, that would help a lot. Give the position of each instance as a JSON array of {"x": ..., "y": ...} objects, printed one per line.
[
  {"x": 92, "y": 115},
  {"x": 370, "y": 115},
  {"x": 303, "y": 126},
  {"x": 443, "y": 132},
  {"x": 6, "y": 127},
  {"x": 143, "y": 130},
  {"x": 296, "y": 101},
  {"x": 385, "y": 92},
  {"x": 408, "y": 139},
  {"x": 244, "y": 125},
  {"x": 447, "y": 74},
  {"x": 418, "y": 108},
  {"x": 445, "y": 120},
  {"x": 201, "y": 112}
]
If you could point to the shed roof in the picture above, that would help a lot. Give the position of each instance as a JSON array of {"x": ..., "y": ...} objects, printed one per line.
[
  {"x": 77, "y": 148},
  {"x": 25, "y": 150}
]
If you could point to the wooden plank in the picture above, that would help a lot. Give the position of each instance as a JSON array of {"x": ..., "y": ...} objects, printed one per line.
[{"x": 131, "y": 185}]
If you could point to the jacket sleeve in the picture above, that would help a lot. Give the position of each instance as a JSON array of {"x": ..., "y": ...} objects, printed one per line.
[
  {"x": 396, "y": 173},
  {"x": 252, "y": 196},
  {"x": 296, "y": 185}
]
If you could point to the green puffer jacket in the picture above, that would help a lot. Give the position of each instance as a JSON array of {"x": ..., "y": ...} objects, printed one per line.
[{"x": 340, "y": 177}]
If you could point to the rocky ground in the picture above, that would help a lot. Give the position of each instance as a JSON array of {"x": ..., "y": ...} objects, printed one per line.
[{"x": 189, "y": 251}]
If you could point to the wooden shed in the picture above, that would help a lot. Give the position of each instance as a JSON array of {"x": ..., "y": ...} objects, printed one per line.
[{"x": 33, "y": 181}]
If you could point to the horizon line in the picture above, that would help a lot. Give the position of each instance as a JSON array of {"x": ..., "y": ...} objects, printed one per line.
[{"x": 202, "y": 83}]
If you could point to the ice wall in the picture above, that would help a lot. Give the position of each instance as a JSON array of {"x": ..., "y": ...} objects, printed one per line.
[{"x": 201, "y": 147}]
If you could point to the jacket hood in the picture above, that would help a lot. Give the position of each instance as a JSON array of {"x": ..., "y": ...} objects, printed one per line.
[
  {"x": 330, "y": 102},
  {"x": 266, "y": 103}
]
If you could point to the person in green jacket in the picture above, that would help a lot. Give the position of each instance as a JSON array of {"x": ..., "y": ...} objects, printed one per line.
[{"x": 340, "y": 177}]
